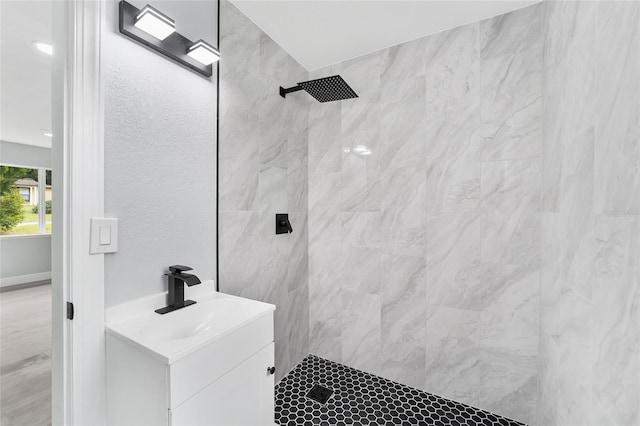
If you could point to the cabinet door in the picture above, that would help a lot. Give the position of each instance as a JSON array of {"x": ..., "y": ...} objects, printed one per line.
[{"x": 243, "y": 396}]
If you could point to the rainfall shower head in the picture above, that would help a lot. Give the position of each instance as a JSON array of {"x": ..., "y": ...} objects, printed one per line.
[{"x": 325, "y": 89}]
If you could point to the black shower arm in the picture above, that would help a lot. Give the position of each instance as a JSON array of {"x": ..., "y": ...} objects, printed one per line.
[{"x": 283, "y": 91}]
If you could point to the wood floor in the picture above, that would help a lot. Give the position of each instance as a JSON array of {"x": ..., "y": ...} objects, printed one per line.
[{"x": 25, "y": 356}]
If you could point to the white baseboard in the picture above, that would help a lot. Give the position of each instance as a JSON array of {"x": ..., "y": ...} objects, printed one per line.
[{"x": 25, "y": 279}]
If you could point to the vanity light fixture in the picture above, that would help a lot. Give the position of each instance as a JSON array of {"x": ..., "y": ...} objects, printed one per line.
[
  {"x": 45, "y": 48},
  {"x": 155, "y": 30},
  {"x": 203, "y": 52},
  {"x": 47, "y": 134},
  {"x": 155, "y": 23}
]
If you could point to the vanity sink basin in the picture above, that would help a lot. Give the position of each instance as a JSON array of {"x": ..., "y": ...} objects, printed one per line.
[
  {"x": 208, "y": 317},
  {"x": 174, "y": 335}
]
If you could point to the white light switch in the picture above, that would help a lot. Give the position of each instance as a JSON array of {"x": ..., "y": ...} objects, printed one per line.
[{"x": 104, "y": 235}]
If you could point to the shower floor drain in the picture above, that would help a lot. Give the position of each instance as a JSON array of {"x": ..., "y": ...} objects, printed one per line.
[{"x": 320, "y": 394}]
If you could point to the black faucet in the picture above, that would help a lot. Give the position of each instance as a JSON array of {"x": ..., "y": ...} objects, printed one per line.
[{"x": 177, "y": 280}]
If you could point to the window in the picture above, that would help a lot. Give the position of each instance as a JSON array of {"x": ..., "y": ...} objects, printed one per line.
[
  {"x": 22, "y": 191},
  {"x": 25, "y": 193}
]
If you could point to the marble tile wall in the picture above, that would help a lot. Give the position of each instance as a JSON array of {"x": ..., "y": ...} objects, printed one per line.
[
  {"x": 424, "y": 264},
  {"x": 263, "y": 158},
  {"x": 590, "y": 287}
]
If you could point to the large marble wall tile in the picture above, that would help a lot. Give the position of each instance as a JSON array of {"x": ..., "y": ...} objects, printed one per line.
[
  {"x": 452, "y": 361},
  {"x": 511, "y": 84},
  {"x": 237, "y": 234},
  {"x": 616, "y": 368},
  {"x": 509, "y": 341},
  {"x": 404, "y": 211},
  {"x": 274, "y": 62},
  {"x": 361, "y": 338},
  {"x": 402, "y": 124},
  {"x": 324, "y": 209},
  {"x": 363, "y": 75},
  {"x": 551, "y": 259},
  {"x": 511, "y": 106},
  {"x": 361, "y": 269},
  {"x": 240, "y": 82},
  {"x": 272, "y": 261},
  {"x": 452, "y": 69},
  {"x": 325, "y": 261},
  {"x": 453, "y": 159},
  {"x": 511, "y": 33},
  {"x": 325, "y": 330},
  {"x": 508, "y": 384},
  {"x": 298, "y": 322},
  {"x": 454, "y": 268},
  {"x": 574, "y": 384},
  {"x": 297, "y": 195},
  {"x": 361, "y": 229},
  {"x": 298, "y": 153},
  {"x": 569, "y": 71},
  {"x": 402, "y": 319},
  {"x": 453, "y": 120},
  {"x": 511, "y": 206},
  {"x": 297, "y": 247},
  {"x": 617, "y": 149},
  {"x": 548, "y": 371},
  {"x": 274, "y": 115},
  {"x": 325, "y": 301},
  {"x": 360, "y": 177},
  {"x": 404, "y": 299},
  {"x": 575, "y": 355},
  {"x": 404, "y": 61},
  {"x": 512, "y": 289},
  {"x": 510, "y": 331},
  {"x": 238, "y": 160},
  {"x": 283, "y": 359},
  {"x": 325, "y": 149},
  {"x": 272, "y": 190}
]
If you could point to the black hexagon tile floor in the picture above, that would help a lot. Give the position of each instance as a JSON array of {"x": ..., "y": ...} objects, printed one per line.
[{"x": 354, "y": 397}]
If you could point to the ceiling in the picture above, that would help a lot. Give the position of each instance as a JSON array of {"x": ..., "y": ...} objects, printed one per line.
[
  {"x": 25, "y": 72},
  {"x": 318, "y": 33}
]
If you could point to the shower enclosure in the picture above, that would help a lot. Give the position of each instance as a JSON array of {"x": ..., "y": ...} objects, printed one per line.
[{"x": 469, "y": 225}]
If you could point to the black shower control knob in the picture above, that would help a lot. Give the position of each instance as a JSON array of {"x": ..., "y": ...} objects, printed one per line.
[{"x": 271, "y": 370}]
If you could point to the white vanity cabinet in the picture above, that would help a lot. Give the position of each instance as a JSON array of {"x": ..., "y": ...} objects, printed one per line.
[{"x": 219, "y": 378}]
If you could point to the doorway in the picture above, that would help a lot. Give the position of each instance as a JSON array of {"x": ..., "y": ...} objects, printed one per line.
[{"x": 26, "y": 135}]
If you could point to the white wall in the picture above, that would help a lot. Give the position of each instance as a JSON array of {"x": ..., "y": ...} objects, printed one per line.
[
  {"x": 160, "y": 155},
  {"x": 24, "y": 259},
  {"x": 17, "y": 154}
]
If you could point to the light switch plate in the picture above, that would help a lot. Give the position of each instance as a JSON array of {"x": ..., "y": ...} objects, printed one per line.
[{"x": 104, "y": 235}]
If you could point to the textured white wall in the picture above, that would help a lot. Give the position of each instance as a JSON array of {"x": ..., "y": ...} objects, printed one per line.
[{"x": 160, "y": 155}]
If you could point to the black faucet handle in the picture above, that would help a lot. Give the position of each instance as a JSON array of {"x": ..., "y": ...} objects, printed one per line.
[{"x": 178, "y": 269}]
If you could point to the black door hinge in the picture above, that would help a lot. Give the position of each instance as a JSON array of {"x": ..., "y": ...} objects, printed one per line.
[{"x": 69, "y": 310}]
